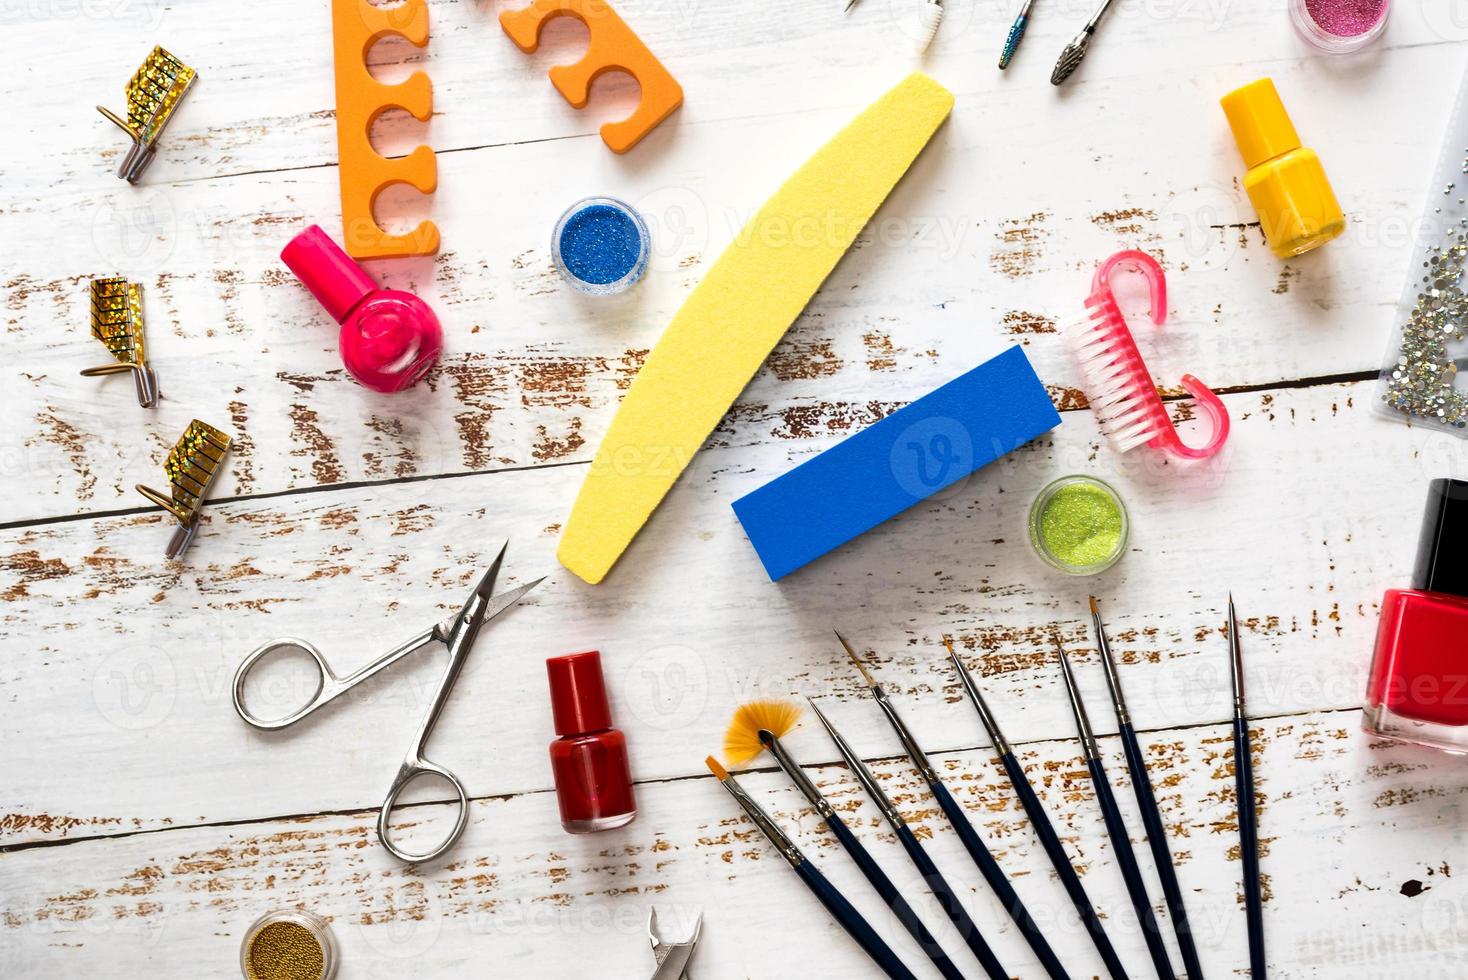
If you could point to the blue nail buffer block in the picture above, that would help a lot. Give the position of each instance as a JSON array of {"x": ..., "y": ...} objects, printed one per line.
[{"x": 887, "y": 467}]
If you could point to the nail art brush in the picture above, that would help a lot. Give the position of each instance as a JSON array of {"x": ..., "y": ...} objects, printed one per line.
[
  {"x": 952, "y": 905},
  {"x": 841, "y": 910},
  {"x": 1016, "y": 33},
  {"x": 1040, "y": 821},
  {"x": 1072, "y": 53},
  {"x": 1147, "y": 803},
  {"x": 1126, "y": 858},
  {"x": 987, "y": 865},
  {"x": 1244, "y": 785},
  {"x": 758, "y": 727}
]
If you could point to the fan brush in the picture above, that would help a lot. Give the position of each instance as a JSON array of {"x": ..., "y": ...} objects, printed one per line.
[{"x": 758, "y": 727}]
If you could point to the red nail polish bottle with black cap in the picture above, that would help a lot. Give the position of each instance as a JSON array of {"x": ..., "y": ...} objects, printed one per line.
[
  {"x": 1418, "y": 690},
  {"x": 589, "y": 758}
]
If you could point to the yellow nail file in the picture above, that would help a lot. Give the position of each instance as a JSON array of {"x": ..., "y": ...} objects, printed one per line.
[{"x": 733, "y": 319}]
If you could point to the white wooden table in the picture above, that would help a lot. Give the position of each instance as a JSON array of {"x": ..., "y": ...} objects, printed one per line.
[{"x": 142, "y": 825}]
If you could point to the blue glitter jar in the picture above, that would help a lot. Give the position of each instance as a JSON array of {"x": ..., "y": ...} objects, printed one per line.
[{"x": 601, "y": 245}]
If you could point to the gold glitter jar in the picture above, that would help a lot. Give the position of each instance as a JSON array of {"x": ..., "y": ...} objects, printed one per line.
[{"x": 288, "y": 945}]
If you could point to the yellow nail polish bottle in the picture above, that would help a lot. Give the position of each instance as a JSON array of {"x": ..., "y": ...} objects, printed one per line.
[{"x": 1285, "y": 181}]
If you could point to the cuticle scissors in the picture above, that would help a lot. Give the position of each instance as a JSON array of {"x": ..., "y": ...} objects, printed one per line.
[
  {"x": 672, "y": 957},
  {"x": 458, "y": 633}
]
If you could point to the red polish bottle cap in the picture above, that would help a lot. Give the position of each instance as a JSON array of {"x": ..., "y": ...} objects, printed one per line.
[
  {"x": 333, "y": 276},
  {"x": 578, "y": 693}
]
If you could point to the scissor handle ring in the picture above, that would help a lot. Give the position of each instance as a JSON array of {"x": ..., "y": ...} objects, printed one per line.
[
  {"x": 325, "y": 679},
  {"x": 408, "y": 772}
]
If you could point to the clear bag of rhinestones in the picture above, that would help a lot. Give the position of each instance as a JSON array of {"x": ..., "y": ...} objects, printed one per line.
[{"x": 1420, "y": 382}]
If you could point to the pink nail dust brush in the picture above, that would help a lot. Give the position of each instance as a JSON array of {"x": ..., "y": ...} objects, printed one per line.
[
  {"x": 389, "y": 338},
  {"x": 1121, "y": 391}
]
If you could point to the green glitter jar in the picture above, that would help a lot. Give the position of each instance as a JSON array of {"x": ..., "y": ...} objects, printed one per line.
[{"x": 1078, "y": 525}]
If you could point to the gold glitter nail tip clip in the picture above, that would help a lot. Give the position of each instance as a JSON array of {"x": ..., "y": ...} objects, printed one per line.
[
  {"x": 117, "y": 321},
  {"x": 191, "y": 468},
  {"x": 153, "y": 94}
]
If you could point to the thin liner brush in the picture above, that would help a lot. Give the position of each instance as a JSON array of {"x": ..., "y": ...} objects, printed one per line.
[
  {"x": 1126, "y": 858},
  {"x": 740, "y": 747},
  {"x": 1244, "y": 787},
  {"x": 1040, "y": 821},
  {"x": 841, "y": 910},
  {"x": 988, "y": 866},
  {"x": 947, "y": 897},
  {"x": 1147, "y": 803}
]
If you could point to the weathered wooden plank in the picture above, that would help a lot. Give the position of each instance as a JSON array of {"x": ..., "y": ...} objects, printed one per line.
[
  {"x": 114, "y": 667},
  {"x": 1358, "y": 857},
  {"x": 979, "y": 239},
  {"x": 266, "y": 97},
  {"x": 136, "y": 654}
]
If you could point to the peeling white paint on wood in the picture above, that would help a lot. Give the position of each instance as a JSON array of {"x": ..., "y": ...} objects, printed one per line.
[
  {"x": 991, "y": 232},
  {"x": 525, "y": 902},
  {"x": 142, "y": 826}
]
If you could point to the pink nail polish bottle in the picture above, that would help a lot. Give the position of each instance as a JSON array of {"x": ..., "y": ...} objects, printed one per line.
[{"x": 389, "y": 338}]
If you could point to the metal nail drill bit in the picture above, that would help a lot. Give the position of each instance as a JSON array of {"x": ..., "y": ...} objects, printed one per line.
[
  {"x": 930, "y": 15},
  {"x": 1016, "y": 34},
  {"x": 909, "y": 744},
  {"x": 1072, "y": 53}
]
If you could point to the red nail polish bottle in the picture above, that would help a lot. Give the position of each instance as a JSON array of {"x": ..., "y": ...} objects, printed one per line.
[
  {"x": 1418, "y": 690},
  {"x": 589, "y": 759}
]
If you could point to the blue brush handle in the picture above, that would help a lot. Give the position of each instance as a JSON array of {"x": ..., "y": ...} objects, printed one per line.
[
  {"x": 998, "y": 883},
  {"x": 1161, "y": 854},
  {"x": 850, "y": 919},
  {"x": 895, "y": 901},
  {"x": 1049, "y": 840},
  {"x": 952, "y": 904},
  {"x": 1249, "y": 844},
  {"x": 1131, "y": 873}
]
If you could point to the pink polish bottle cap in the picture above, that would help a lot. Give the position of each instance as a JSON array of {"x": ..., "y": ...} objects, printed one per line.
[{"x": 333, "y": 276}]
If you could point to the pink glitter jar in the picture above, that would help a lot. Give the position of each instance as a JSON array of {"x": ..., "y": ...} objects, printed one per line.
[{"x": 1339, "y": 26}]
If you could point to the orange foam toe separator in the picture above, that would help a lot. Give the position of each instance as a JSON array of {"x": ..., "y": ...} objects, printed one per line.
[
  {"x": 614, "y": 47},
  {"x": 356, "y": 26}
]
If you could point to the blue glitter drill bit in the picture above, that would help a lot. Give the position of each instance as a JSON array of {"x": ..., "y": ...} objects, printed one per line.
[
  {"x": 1016, "y": 33},
  {"x": 601, "y": 245}
]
